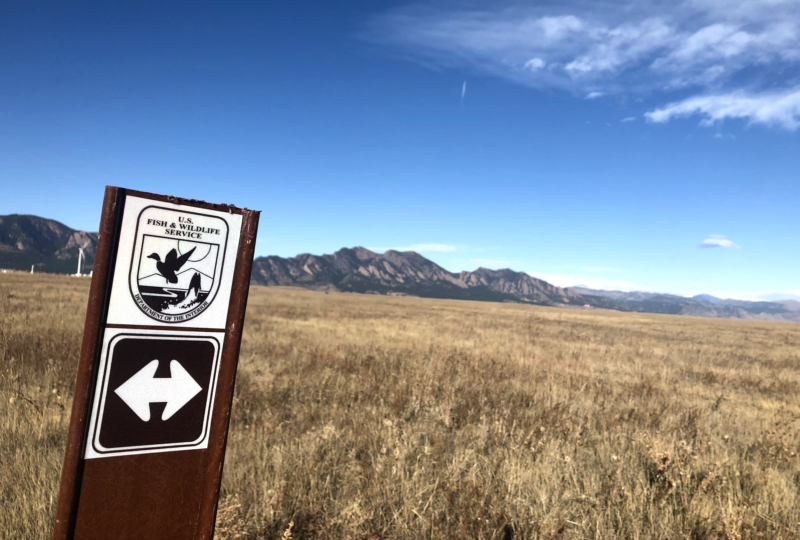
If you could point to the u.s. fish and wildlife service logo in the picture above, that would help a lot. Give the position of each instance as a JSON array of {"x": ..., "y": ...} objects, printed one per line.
[{"x": 177, "y": 262}]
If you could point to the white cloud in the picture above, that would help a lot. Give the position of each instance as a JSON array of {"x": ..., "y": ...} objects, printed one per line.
[
  {"x": 643, "y": 47},
  {"x": 559, "y": 27},
  {"x": 771, "y": 296},
  {"x": 618, "y": 47},
  {"x": 717, "y": 241},
  {"x": 594, "y": 95},
  {"x": 534, "y": 63},
  {"x": 420, "y": 248},
  {"x": 628, "y": 119},
  {"x": 779, "y": 108},
  {"x": 717, "y": 49}
]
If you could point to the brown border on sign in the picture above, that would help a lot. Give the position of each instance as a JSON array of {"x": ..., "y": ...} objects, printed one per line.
[
  {"x": 135, "y": 240},
  {"x": 170, "y": 328},
  {"x": 101, "y": 387}
]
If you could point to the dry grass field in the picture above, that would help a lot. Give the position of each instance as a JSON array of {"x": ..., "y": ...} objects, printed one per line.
[{"x": 386, "y": 417}]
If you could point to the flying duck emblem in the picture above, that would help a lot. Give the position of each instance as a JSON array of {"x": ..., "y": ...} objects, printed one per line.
[
  {"x": 177, "y": 263},
  {"x": 171, "y": 263}
]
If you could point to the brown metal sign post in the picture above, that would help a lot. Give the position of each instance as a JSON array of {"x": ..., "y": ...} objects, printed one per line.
[{"x": 158, "y": 362}]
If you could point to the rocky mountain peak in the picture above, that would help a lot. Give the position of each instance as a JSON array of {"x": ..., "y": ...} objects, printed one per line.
[
  {"x": 46, "y": 244},
  {"x": 403, "y": 272}
]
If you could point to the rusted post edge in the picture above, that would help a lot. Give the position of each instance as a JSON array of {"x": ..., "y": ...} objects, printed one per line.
[
  {"x": 227, "y": 375},
  {"x": 102, "y": 275}
]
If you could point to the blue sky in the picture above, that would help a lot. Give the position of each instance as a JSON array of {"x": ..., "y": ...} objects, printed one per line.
[{"x": 634, "y": 144}]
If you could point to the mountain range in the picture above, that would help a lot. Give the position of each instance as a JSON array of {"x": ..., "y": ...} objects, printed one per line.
[
  {"x": 53, "y": 247},
  {"x": 363, "y": 271},
  {"x": 46, "y": 244},
  {"x": 702, "y": 305},
  {"x": 393, "y": 272}
]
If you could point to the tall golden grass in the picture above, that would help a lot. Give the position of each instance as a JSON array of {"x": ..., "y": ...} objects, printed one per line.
[{"x": 372, "y": 417}]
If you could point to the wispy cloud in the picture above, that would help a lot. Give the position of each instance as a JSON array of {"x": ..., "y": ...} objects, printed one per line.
[
  {"x": 616, "y": 48},
  {"x": 771, "y": 296},
  {"x": 628, "y": 119},
  {"x": 717, "y": 241},
  {"x": 463, "y": 91},
  {"x": 534, "y": 63},
  {"x": 420, "y": 248},
  {"x": 779, "y": 108}
]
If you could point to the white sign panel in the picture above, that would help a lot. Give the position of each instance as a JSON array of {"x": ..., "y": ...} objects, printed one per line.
[
  {"x": 155, "y": 392},
  {"x": 174, "y": 265},
  {"x": 167, "y": 314}
]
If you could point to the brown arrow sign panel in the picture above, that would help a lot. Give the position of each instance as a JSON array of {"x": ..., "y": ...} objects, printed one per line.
[{"x": 158, "y": 362}]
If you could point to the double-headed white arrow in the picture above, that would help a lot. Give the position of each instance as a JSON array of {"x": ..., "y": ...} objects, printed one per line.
[{"x": 143, "y": 388}]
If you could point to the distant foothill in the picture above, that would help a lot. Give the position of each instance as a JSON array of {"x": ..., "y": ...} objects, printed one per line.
[{"x": 52, "y": 247}]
